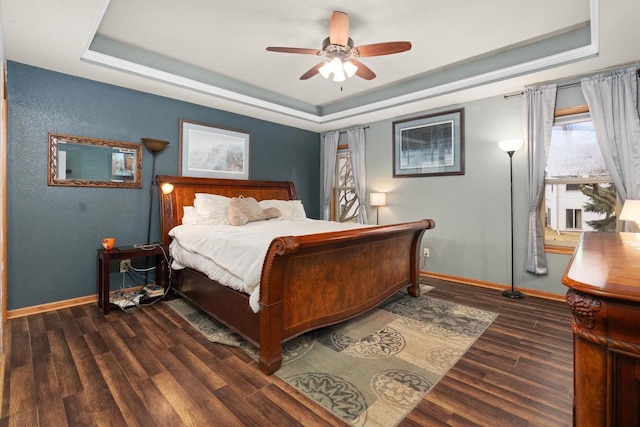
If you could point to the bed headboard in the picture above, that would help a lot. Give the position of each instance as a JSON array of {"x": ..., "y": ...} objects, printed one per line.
[{"x": 185, "y": 189}]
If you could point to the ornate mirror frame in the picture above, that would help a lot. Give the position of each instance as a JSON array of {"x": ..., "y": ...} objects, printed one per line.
[{"x": 77, "y": 161}]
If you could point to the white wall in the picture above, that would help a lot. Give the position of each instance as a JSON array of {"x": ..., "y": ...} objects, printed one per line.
[{"x": 472, "y": 211}]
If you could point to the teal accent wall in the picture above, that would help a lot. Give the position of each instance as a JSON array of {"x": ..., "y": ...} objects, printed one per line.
[{"x": 54, "y": 232}]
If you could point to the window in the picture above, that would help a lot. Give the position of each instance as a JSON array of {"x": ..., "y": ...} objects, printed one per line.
[
  {"x": 346, "y": 205},
  {"x": 579, "y": 193},
  {"x": 574, "y": 218}
]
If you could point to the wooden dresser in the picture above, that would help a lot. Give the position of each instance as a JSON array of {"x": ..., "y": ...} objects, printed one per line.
[{"x": 604, "y": 296}]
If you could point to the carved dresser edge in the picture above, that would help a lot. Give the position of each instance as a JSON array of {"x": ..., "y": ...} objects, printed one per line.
[{"x": 584, "y": 308}]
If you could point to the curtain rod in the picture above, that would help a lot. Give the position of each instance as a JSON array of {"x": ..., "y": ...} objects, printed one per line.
[
  {"x": 344, "y": 131},
  {"x": 513, "y": 95}
]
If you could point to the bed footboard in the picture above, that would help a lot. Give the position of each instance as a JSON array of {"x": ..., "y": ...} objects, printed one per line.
[{"x": 318, "y": 280}]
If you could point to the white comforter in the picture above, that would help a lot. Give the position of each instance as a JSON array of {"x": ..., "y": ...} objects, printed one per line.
[{"x": 233, "y": 256}]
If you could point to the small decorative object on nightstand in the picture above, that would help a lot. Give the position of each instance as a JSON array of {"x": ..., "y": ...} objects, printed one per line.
[
  {"x": 106, "y": 256},
  {"x": 108, "y": 243}
]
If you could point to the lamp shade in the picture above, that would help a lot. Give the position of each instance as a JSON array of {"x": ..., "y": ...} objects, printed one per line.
[
  {"x": 510, "y": 145},
  {"x": 631, "y": 211},
  {"x": 378, "y": 199},
  {"x": 154, "y": 145},
  {"x": 325, "y": 70},
  {"x": 350, "y": 68},
  {"x": 167, "y": 188}
]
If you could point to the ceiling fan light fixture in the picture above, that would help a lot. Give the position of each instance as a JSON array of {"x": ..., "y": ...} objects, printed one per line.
[
  {"x": 335, "y": 67},
  {"x": 339, "y": 76},
  {"x": 325, "y": 70},
  {"x": 350, "y": 68}
]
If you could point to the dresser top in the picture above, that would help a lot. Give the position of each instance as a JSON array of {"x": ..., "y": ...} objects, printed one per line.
[{"x": 606, "y": 264}]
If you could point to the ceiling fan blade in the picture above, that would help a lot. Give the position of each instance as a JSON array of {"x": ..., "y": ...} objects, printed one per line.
[
  {"x": 294, "y": 50},
  {"x": 312, "y": 71},
  {"x": 379, "y": 49},
  {"x": 339, "y": 28},
  {"x": 363, "y": 71}
]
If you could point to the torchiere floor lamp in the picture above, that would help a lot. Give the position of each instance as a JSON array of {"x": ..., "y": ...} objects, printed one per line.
[
  {"x": 155, "y": 146},
  {"x": 510, "y": 147}
]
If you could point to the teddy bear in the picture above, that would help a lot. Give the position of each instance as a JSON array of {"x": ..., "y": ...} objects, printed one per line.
[{"x": 246, "y": 209}]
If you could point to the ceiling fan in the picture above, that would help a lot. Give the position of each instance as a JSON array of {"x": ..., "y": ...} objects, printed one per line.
[{"x": 340, "y": 55}]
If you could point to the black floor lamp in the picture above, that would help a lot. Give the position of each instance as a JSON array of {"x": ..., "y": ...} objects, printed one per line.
[
  {"x": 511, "y": 146},
  {"x": 155, "y": 146}
]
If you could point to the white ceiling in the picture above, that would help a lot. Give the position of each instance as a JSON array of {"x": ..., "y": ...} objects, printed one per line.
[{"x": 213, "y": 53}]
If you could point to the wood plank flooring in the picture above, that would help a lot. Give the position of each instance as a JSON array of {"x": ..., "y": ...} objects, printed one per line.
[{"x": 77, "y": 367}]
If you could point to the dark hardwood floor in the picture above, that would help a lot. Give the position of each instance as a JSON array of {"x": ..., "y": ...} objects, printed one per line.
[{"x": 77, "y": 367}]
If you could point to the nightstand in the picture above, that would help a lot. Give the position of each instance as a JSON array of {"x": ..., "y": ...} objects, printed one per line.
[{"x": 129, "y": 252}]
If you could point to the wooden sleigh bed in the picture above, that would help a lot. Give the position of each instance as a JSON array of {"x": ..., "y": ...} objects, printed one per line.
[{"x": 307, "y": 282}]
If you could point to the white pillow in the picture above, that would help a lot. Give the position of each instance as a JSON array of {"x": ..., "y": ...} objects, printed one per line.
[
  {"x": 291, "y": 210},
  {"x": 191, "y": 217},
  {"x": 212, "y": 207}
]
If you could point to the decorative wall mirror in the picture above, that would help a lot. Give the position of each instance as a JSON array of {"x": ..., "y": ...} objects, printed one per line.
[{"x": 89, "y": 162}]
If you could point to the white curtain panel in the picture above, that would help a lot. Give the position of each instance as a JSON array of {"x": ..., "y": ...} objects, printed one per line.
[
  {"x": 330, "y": 150},
  {"x": 538, "y": 105},
  {"x": 612, "y": 99},
  {"x": 356, "y": 140}
]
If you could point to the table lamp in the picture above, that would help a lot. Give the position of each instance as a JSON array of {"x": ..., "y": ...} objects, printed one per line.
[
  {"x": 631, "y": 211},
  {"x": 377, "y": 200}
]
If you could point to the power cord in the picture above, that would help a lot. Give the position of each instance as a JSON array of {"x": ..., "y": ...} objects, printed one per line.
[
  {"x": 423, "y": 262},
  {"x": 129, "y": 300},
  {"x": 149, "y": 246}
]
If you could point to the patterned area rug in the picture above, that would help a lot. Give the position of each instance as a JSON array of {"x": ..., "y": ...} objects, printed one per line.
[{"x": 372, "y": 370}]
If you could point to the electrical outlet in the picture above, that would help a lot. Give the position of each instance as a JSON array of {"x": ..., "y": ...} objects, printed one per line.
[
  {"x": 125, "y": 265},
  {"x": 426, "y": 252}
]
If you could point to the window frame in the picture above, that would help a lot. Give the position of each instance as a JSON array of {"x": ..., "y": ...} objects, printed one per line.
[
  {"x": 576, "y": 218},
  {"x": 569, "y": 248},
  {"x": 335, "y": 192}
]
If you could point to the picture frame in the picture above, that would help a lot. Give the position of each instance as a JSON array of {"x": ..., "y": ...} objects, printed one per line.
[
  {"x": 208, "y": 151},
  {"x": 431, "y": 145}
]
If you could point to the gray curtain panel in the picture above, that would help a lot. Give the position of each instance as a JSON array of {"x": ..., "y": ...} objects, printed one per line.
[
  {"x": 330, "y": 150},
  {"x": 356, "y": 140},
  {"x": 612, "y": 99},
  {"x": 538, "y": 105}
]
